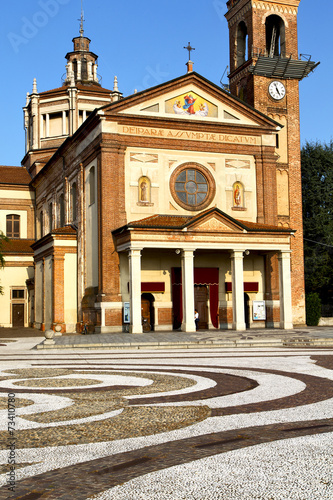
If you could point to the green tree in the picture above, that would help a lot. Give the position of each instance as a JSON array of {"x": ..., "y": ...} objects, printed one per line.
[
  {"x": 317, "y": 188},
  {"x": 2, "y": 260}
]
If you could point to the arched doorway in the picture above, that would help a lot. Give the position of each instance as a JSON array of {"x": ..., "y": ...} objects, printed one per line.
[
  {"x": 200, "y": 304},
  {"x": 147, "y": 312}
]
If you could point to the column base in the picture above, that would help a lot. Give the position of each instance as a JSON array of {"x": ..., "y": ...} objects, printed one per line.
[
  {"x": 239, "y": 327},
  {"x": 286, "y": 326},
  {"x": 188, "y": 328},
  {"x": 135, "y": 329}
]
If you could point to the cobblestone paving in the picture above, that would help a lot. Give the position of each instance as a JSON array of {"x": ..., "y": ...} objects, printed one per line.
[{"x": 175, "y": 424}]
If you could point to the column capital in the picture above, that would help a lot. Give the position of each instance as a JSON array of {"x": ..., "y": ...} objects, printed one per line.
[
  {"x": 188, "y": 251},
  {"x": 134, "y": 252},
  {"x": 284, "y": 254},
  {"x": 237, "y": 254}
]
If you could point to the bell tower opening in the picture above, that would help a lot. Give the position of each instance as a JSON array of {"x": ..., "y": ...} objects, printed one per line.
[
  {"x": 242, "y": 42},
  {"x": 275, "y": 36}
]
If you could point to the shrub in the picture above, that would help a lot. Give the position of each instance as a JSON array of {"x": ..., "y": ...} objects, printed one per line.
[{"x": 313, "y": 309}]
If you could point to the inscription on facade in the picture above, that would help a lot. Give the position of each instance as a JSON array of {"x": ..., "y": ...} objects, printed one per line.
[{"x": 189, "y": 135}]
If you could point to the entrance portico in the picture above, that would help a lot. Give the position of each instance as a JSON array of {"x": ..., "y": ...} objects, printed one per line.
[{"x": 190, "y": 240}]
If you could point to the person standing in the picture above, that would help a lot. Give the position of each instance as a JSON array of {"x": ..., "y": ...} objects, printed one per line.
[{"x": 196, "y": 319}]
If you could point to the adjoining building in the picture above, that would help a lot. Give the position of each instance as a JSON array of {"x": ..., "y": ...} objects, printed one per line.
[{"x": 183, "y": 196}]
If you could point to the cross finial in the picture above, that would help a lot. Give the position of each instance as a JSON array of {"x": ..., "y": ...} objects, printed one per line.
[
  {"x": 81, "y": 20},
  {"x": 189, "y": 48}
]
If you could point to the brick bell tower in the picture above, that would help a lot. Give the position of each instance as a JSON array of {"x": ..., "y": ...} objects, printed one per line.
[{"x": 265, "y": 70}]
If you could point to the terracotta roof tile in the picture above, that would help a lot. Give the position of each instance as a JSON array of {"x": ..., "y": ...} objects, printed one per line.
[
  {"x": 92, "y": 88},
  {"x": 180, "y": 221},
  {"x": 14, "y": 175},
  {"x": 17, "y": 246},
  {"x": 162, "y": 221}
]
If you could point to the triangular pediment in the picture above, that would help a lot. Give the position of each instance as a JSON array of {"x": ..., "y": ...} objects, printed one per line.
[
  {"x": 190, "y": 98},
  {"x": 216, "y": 221}
]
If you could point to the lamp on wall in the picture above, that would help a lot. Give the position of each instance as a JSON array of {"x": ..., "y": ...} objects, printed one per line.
[
  {"x": 177, "y": 251},
  {"x": 247, "y": 252}
]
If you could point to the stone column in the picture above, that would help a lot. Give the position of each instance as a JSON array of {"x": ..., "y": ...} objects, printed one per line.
[
  {"x": 90, "y": 70},
  {"x": 95, "y": 73},
  {"x": 286, "y": 321},
  {"x": 188, "y": 324},
  {"x": 78, "y": 70},
  {"x": 237, "y": 291},
  {"x": 134, "y": 257}
]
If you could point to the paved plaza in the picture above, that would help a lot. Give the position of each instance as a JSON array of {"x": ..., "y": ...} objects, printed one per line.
[{"x": 147, "y": 422}]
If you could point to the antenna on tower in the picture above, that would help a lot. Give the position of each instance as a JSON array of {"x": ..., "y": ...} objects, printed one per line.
[{"x": 81, "y": 20}]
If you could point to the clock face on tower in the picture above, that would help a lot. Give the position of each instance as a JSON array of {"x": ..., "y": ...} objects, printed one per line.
[{"x": 277, "y": 90}]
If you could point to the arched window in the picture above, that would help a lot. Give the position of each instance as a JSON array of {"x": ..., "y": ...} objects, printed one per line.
[
  {"x": 13, "y": 226},
  {"x": 61, "y": 211},
  {"x": 50, "y": 217},
  {"x": 91, "y": 185},
  {"x": 144, "y": 190},
  {"x": 275, "y": 36},
  {"x": 84, "y": 69},
  {"x": 75, "y": 69},
  {"x": 242, "y": 39},
  {"x": 238, "y": 195},
  {"x": 73, "y": 202}
]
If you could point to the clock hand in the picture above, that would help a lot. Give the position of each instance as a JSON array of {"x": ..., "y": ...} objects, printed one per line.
[{"x": 277, "y": 90}]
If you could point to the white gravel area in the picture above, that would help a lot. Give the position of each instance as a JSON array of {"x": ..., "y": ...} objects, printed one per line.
[{"x": 295, "y": 469}]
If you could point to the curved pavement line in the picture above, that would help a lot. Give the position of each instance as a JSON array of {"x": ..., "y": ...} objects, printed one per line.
[
  {"x": 89, "y": 478},
  {"x": 317, "y": 389}
]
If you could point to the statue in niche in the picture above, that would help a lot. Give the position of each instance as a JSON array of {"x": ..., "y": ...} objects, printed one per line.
[{"x": 144, "y": 191}]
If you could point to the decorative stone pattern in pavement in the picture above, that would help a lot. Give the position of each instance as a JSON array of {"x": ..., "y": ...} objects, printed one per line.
[
  {"x": 132, "y": 422},
  {"x": 56, "y": 383},
  {"x": 157, "y": 424}
]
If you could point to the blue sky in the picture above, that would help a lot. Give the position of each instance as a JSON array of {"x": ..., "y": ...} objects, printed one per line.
[{"x": 142, "y": 43}]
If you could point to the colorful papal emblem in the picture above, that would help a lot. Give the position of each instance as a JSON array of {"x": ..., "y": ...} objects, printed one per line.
[{"x": 190, "y": 104}]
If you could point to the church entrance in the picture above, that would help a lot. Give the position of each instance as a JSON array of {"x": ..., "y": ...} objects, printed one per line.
[
  {"x": 200, "y": 302},
  {"x": 147, "y": 312}
]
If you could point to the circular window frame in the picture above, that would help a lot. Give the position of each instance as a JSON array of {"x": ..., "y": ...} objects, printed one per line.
[{"x": 210, "y": 183}]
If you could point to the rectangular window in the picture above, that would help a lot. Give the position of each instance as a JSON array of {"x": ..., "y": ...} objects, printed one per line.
[
  {"x": 13, "y": 226},
  {"x": 55, "y": 124},
  {"x": 17, "y": 294}
]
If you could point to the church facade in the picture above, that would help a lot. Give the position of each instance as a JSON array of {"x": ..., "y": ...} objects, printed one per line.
[{"x": 184, "y": 196}]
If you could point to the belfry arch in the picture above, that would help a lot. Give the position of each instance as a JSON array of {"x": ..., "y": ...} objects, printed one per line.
[
  {"x": 241, "y": 41},
  {"x": 275, "y": 36}
]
